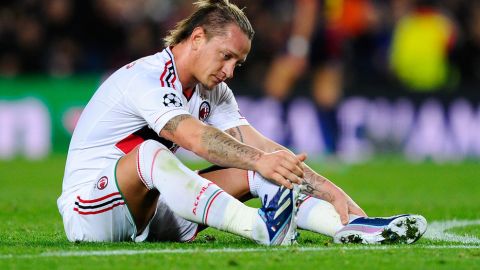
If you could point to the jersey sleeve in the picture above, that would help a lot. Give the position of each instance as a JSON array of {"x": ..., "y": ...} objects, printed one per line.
[
  {"x": 157, "y": 105},
  {"x": 225, "y": 113}
]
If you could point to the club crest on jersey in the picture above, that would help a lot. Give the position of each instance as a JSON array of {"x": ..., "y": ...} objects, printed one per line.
[
  {"x": 172, "y": 100},
  {"x": 102, "y": 183},
  {"x": 204, "y": 111}
]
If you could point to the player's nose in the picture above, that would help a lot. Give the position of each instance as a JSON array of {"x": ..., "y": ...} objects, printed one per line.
[{"x": 228, "y": 70}]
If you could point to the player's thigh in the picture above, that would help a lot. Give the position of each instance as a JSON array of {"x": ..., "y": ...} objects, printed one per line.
[
  {"x": 141, "y": 201},
  {"x": 234, "y": 181},
  {"x": 99, "y": 212}
]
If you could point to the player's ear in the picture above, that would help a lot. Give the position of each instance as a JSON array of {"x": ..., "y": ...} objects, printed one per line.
[{"x": 197, "y": 37}]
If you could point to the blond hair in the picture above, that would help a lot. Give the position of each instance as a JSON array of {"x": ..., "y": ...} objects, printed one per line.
[{"x": 213, "y": 16}]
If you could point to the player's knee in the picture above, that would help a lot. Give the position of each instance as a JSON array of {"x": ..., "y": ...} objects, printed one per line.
[
  {"x": 151, "y": 146},
  {"x": 149, "y": 150},
  {"x": 146, "y": 154},
  {"x": 153, "y": 156}
]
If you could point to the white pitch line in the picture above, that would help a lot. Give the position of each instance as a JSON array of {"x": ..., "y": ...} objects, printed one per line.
[
  {"x": 123, "y": 252},
  {"x": 437, "y": 231}
]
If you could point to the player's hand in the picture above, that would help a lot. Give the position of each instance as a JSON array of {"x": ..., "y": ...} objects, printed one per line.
[
  {"x": 281, "y": 167},
  {"x": 345, "y": 205}
]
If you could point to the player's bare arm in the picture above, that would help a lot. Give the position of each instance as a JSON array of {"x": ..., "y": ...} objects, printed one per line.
[
  {"x": 313, "y": 184},
  {"x": 222, "y": 149}
]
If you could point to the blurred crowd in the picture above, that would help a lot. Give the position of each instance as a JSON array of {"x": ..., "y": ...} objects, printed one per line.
[{"x": 305, "y": 44}]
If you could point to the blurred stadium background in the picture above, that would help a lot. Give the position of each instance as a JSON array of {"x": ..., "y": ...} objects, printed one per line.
[{"x": 370, "y": 78}]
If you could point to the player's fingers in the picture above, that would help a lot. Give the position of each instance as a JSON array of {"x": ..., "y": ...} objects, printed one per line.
[
  {"x": 285, "y": 173},
  {"x": 355, "y": 209},
  {"x": 302, "y": 157},
  {"x": 290, "y": 157},
  {"x": 280, "y": 180},
  {"x": 342, "y": 210},
  {"x": 358, "y": 212},
  {"x": 293, "y": 167},
  {"x": 296, "y": 159}
]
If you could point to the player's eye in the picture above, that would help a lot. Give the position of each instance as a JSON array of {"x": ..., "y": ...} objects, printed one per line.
[{"x": 226, "y": 56}]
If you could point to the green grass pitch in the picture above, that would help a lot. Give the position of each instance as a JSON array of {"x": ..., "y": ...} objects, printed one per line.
[{"x": 32, "y": 237}]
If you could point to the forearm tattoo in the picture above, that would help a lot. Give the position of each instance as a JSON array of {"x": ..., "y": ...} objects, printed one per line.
[
  {"x": 312, "y": 182},
  {"x": 236, "y": 133},
  {"x": 172, "y": 125},
  {"x": 312, "y": 185},
  {"x": 223, "y": 150}
]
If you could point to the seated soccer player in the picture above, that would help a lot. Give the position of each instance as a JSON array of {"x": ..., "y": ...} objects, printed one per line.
[{"x": 122, "y": 180}]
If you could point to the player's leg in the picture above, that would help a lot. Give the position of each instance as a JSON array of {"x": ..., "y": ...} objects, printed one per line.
[
  {"x": 320, "y": 216},
  {"x": 102, "y": 213},
  {"x": 313, "y": 214},
  {"x": 152, "y": 166},
  {"x": 166, "y": 225},
  {"x": 234, "y": 181}
]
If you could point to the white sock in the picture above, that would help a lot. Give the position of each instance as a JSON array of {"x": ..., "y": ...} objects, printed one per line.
[
  {"x": 191, "y": 196},
  {"x": 318, "y": 216},
  {"x": 260, "y": 187},
  {"x": 313, "y": 214}
]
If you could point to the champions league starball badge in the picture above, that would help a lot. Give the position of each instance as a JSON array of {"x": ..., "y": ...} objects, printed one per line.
[
  {"x": 171, "y": 100},
  {"x": 204, "y": 111}
]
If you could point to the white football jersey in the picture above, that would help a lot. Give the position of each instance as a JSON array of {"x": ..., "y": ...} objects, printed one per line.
[{"x": 133, "y": 105}]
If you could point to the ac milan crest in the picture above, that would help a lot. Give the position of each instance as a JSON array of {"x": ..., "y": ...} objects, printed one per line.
[
  {"x": 102, "y": 183},
  {"x": 204, "y": 111}
]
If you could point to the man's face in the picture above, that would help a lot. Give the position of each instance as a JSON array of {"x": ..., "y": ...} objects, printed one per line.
[{"x": 217, "y": 58}]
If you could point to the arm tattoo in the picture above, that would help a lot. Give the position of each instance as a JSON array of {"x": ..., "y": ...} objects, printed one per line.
[
  {"x": 172, "y": 125},
  {"x": 236, "y": 134},
  {"x": 312, "y": 182},
  {"x": 312, "y": 185},
  {"x": 225, "y": 151}
]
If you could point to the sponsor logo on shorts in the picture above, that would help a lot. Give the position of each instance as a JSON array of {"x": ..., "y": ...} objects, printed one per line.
[
  {"x": 102, "y": 183},
  {"x": 197, "y": 199},
  {"x": 204, "y": 111}
]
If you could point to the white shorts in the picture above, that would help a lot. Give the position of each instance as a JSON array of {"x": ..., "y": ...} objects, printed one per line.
[{"x": 99, "y": 213}]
